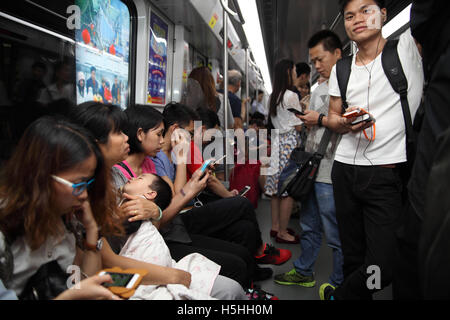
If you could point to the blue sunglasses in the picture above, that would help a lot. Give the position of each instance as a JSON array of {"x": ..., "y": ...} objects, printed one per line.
[{"x": 78, "y": 188}]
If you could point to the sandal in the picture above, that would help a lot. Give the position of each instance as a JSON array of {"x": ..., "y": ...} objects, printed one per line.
[
  {"x": 281, "y": 240},
  {"x": 274, "y": 233}
]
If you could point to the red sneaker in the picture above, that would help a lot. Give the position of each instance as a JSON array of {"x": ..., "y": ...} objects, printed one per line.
[{"x": 273, "y": 255}]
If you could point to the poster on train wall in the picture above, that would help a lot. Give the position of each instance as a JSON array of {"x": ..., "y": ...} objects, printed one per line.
[
  {"x": 157, "y": 70},
  {"x": 103, "y": 52}
]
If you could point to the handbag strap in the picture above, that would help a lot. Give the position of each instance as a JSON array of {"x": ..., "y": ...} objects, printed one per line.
[
  {"x": 324, "y": 143},
  {"x": 123, "y": 165}
]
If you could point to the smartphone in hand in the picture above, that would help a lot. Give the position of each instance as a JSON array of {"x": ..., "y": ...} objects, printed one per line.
[
  {"x": 354, "y": 113},
  {"x": 364, "y": 118},
  {"x": 125, "y": 280},
  {"x": 296, "y": 112},
  {"x": 244, "y": 191}
]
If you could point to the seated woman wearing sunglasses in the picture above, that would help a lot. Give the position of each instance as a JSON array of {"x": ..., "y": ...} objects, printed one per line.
[{"x": 44, "y": 189}]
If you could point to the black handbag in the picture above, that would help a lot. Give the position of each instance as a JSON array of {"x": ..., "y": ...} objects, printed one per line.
[
  {"x": 300, "y": 182},
  {"x": 46, "y": 284}
]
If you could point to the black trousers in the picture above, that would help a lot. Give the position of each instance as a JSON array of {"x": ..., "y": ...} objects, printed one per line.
[
  {"x": 368, "y": 203},
  {"x": 235, "y": 260},
  {"x": 230, "y": 219},
  {"x": 227, "y": 232}
]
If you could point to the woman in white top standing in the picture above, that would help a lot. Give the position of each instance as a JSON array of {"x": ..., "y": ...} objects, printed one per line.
[{"x": 288, "y": 126}]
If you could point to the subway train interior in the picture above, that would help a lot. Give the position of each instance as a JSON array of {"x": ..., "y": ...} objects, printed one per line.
[{"x": 58, "y": 55}]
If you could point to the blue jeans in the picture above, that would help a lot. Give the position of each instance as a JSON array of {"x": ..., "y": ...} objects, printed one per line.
[{"x": 317, "y": 215}]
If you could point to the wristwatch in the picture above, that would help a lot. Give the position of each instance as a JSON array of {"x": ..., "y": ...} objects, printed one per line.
[
  {"x": 319, "y": 121},
  {"x": 94, "y": 247}
]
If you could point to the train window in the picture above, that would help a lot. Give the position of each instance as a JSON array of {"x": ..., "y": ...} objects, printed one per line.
[
  {"x": 36, "y": 69},
  {"x": 158, "y": 61},
  {"x": 103, "y": 52}
]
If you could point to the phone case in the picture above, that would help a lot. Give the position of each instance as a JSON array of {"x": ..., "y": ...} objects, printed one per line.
[
  {"x": 354, "y": 113},
  {"x": 123, "y": 292},
  {"x": 364, "y": 118},
  {"x": 205, "y": 165}
]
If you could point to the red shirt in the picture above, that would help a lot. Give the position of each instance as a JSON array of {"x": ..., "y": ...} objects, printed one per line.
[{"x": 196, "y": 160}]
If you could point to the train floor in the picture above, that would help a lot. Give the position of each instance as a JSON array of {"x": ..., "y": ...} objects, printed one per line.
[{"x": 323, "y": 264}]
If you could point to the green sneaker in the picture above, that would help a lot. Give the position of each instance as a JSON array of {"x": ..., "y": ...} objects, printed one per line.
[
  {"x": 293, "y": 277},
  {"x": 326, "y": 291}
]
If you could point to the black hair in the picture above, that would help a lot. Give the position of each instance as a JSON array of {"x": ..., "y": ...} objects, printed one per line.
[
  {"x": 93, "y": 69},
  {"x": 343, "y": 4},
  {"x": 177, "y": 113},
  {"x": 164, "y": 192},
  {"x": 140, "y": 117},
  {"x": 282, "y": 81},
  {"x": 258, "y": 115},
  {"x": 260, "y": 91},
  {"x": 100, "y": 119},
  {"x": 328, "y": 38},
  {"x": 208, "y": 117},
  {"x": 259, "y": 123},
  {"x": 302, "y": 68}
]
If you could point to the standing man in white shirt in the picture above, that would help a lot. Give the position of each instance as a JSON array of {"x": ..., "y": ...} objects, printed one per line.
[
  {"x": 318, "y": 213},
  {"x": 365, "y": 175}
]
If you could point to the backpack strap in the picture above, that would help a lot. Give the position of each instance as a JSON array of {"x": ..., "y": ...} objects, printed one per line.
[
  {"x": 394, "y": 72},
  {"x": 343, "y": 70}
]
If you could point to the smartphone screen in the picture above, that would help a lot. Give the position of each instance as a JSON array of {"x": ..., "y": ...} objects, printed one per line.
[
  {"x": 244, "y": 190},
  {"x": 119, "y": 279}
]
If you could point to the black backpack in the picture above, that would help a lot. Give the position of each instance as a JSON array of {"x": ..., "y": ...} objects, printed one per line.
[{"x": 394, "y": 72}]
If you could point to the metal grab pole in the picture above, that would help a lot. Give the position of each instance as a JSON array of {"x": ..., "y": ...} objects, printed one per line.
[
  {"x": 225, "y": 80},
  {"x": 247, "y": 84}
]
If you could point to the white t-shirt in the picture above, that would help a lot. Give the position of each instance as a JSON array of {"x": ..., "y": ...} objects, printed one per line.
[
  {"x": 389, "y": 146},
  {"x": 285, "y": 120}
]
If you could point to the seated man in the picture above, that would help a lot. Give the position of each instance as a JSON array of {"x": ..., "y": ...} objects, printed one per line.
[{"x": 231, "y": 218}]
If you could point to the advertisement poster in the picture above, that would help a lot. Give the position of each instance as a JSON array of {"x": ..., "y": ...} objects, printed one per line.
[
  {"x": 157, "y": 71},
  {"x": 187, "y": 66},
  {"x": 102, "y": 52}
]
